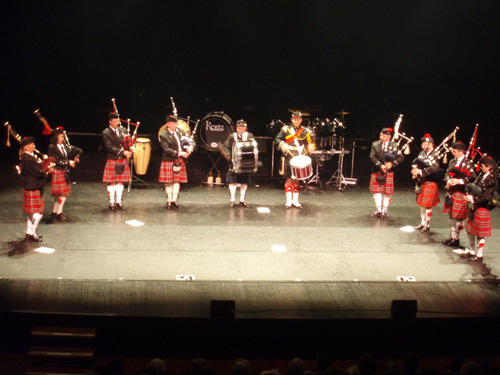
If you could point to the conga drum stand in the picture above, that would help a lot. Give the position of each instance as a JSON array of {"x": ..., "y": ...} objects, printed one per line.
[{"x": 133, "y": 177}]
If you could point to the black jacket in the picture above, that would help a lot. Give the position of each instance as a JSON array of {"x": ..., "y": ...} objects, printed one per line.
[
  {"x": 377, "y": 155},
  {"x": 169, "y": 144},
  {"x": 113, "y": 143},
  {"x": 33, "y": 177}
]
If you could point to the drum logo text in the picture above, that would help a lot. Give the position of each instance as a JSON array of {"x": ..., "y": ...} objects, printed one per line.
[{"x": 214, "y": 127}]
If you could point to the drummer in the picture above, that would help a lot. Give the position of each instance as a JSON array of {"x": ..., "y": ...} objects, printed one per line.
[
  {"x": 173, "y": 165},
  {"x": 232, "y": 178},
  {"x": 293, "y": 140}
]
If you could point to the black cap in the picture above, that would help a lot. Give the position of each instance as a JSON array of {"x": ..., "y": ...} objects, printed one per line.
[
  {"x": 387, "y": 131},
  {"x": 459, "y": 146},
  {"x": 26, "y": 141},
  {"x": 113, "y": 115},
  {"x": 427, "y": 138},
  {"x": 487, "y": 160},
  {"x": 171, "y": 118},
  {"x": 241, "y": 123}
]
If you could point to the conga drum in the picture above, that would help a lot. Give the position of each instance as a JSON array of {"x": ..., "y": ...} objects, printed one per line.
[{"x": 142, "y": 155}]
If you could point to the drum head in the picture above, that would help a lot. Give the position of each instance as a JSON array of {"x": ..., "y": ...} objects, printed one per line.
[
  {"x": 215, "y": 127},
  {"x": 181, "y": 124}
]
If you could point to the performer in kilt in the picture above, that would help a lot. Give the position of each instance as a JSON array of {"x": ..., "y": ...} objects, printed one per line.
[
  {"x": 61, "y": 184},
  {"x": 117, "y": 171},
  {"x": 232, "y": 178},
  {"x": 478, "y": 225},
  {"x": 293, "y": 140},
  {"x": 385, "y": 156},
  {"x": 33, "y": 179},
  {"x": 426, "y": 170},
  {"x": 173, "y": 165},
  {"x": 460, "y": 172}
]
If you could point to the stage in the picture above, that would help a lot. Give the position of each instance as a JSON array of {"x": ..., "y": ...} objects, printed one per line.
[{"x": 329, "y": 259}]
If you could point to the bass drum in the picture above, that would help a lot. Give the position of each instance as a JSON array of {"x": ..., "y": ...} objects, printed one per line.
[{"x": 215, "y": 127}]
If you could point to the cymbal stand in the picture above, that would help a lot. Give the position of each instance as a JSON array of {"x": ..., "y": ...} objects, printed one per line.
[
  {"x": 315, "y": 178},
  {"x": 338, "y": 179}
]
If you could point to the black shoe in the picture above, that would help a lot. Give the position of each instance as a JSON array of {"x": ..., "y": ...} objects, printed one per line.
[
  {"x": 232, "y": 204},
  {"x": 447, "y": 241},
  {"x": 169, "y": 205},
  {"x": 476, "y": 259},
  {"x": 61, "y": 217},
  {"x": 297, "y": 205},
  {"x": 383, "y": 215},
  {"x": 377, "y": 215},
  {"x": 54, "y": 220},
  {"x": 287, "y": 206},
  {"x": 54, "y": 214},
  {"x": 112, "y": 207},
  {"x": 120, "y": 206},
  {"x": 419, "y": 227},
  {"x": 176, "y": 205},
  {"x": 426, "y": 229},
  {"x": 34, "y": 237},
  {"x": 454, "y": 243},
  {"x": 244, "y": 204}
]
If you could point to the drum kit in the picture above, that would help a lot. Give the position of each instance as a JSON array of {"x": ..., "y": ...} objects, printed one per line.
[{"x": 329, "y": 138}]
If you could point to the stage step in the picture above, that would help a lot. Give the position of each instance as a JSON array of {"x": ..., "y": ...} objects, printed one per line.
[
  {"x": 61, "y": 350},
  {"x": 62, "y": 332},
  {"x": 33, "y": 370}
]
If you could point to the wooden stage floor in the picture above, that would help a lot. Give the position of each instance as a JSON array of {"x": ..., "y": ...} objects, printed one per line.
[{"x": 330, "y": 259}]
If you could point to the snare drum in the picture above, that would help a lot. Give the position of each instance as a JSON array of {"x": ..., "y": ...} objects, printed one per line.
[
  {"x": 301, "y": 167},
  {"x": 141, "y": 155},
  {"x": 215, "y": 127},
  {"x": 245, "y": 156}
]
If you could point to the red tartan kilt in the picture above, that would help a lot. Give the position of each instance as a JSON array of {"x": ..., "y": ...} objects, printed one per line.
[
  {"x": 480, "y": 226},
  {"x": 111, "y": 177},
  {"x": 459, "y": 209},
  {"x": 387, "y": 188},
  {"x": 59, "y": 187},
  {"x": 33, "y": 202},
  {"x": 168, "y": 176},
  {"x": 429, "y": 196}
]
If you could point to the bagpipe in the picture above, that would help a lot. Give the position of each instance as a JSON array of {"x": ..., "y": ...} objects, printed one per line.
[
  {"x": 73, "y": 151},
  {"x": 440, "y": 152},
  {"x": 46, "y": 162},
  {"x": 187, "y": 141},
  {"x": 402, "y": 142},
  {"x": 128, "y": 141}
]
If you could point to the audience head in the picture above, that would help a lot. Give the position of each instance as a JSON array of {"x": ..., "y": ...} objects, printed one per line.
[
  {"x": 241, "y": 367},
  {"x": 367, "y": 364},
  {"x": 197, "y": 364},
  {"x": 155, "y": 367},
  {"x": 411, "y": 362},
  {"x": 296, "y": 367}
]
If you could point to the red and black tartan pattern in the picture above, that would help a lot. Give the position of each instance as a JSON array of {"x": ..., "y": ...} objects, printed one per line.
[
  {"x": 167, "y": 175},
  {"x": 480, "y": 226},
  {"x": 429, "y": 196},
  {"x": 33, "y": 202},
  {"x": 387, "y": 188},
  {"x": 458, "y": 209},
  {"x": 59, "y": 187},
  {"x": 111, "y": 177}
]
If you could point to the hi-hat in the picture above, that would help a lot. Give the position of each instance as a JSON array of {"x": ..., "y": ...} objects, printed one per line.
[
  {"x": 293, "y": 110},
  {"x": 343, "y": 113}
]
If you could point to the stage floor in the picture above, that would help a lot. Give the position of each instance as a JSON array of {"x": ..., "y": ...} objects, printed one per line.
[{"x": 332, "y": 241}]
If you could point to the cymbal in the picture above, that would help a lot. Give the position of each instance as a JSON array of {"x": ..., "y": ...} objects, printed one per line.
[
  {"x": 292, "y": 110},
  {"x": 343, "y": 113}
]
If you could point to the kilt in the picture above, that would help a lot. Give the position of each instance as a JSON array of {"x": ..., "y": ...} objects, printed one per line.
[
  {"x": 110, "y": 175},
  {"x": 242, "y": 178},
  {"x": 59, "y": 187},
  {"x": 480, "y": 225},
  {"x": 33, "y": 202},
  {"x": 429, "y": 196},
  {"x": 168, "y": 176},
  {"x": 458, "y": 209},
  {"x": 387, "y": 188}
]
